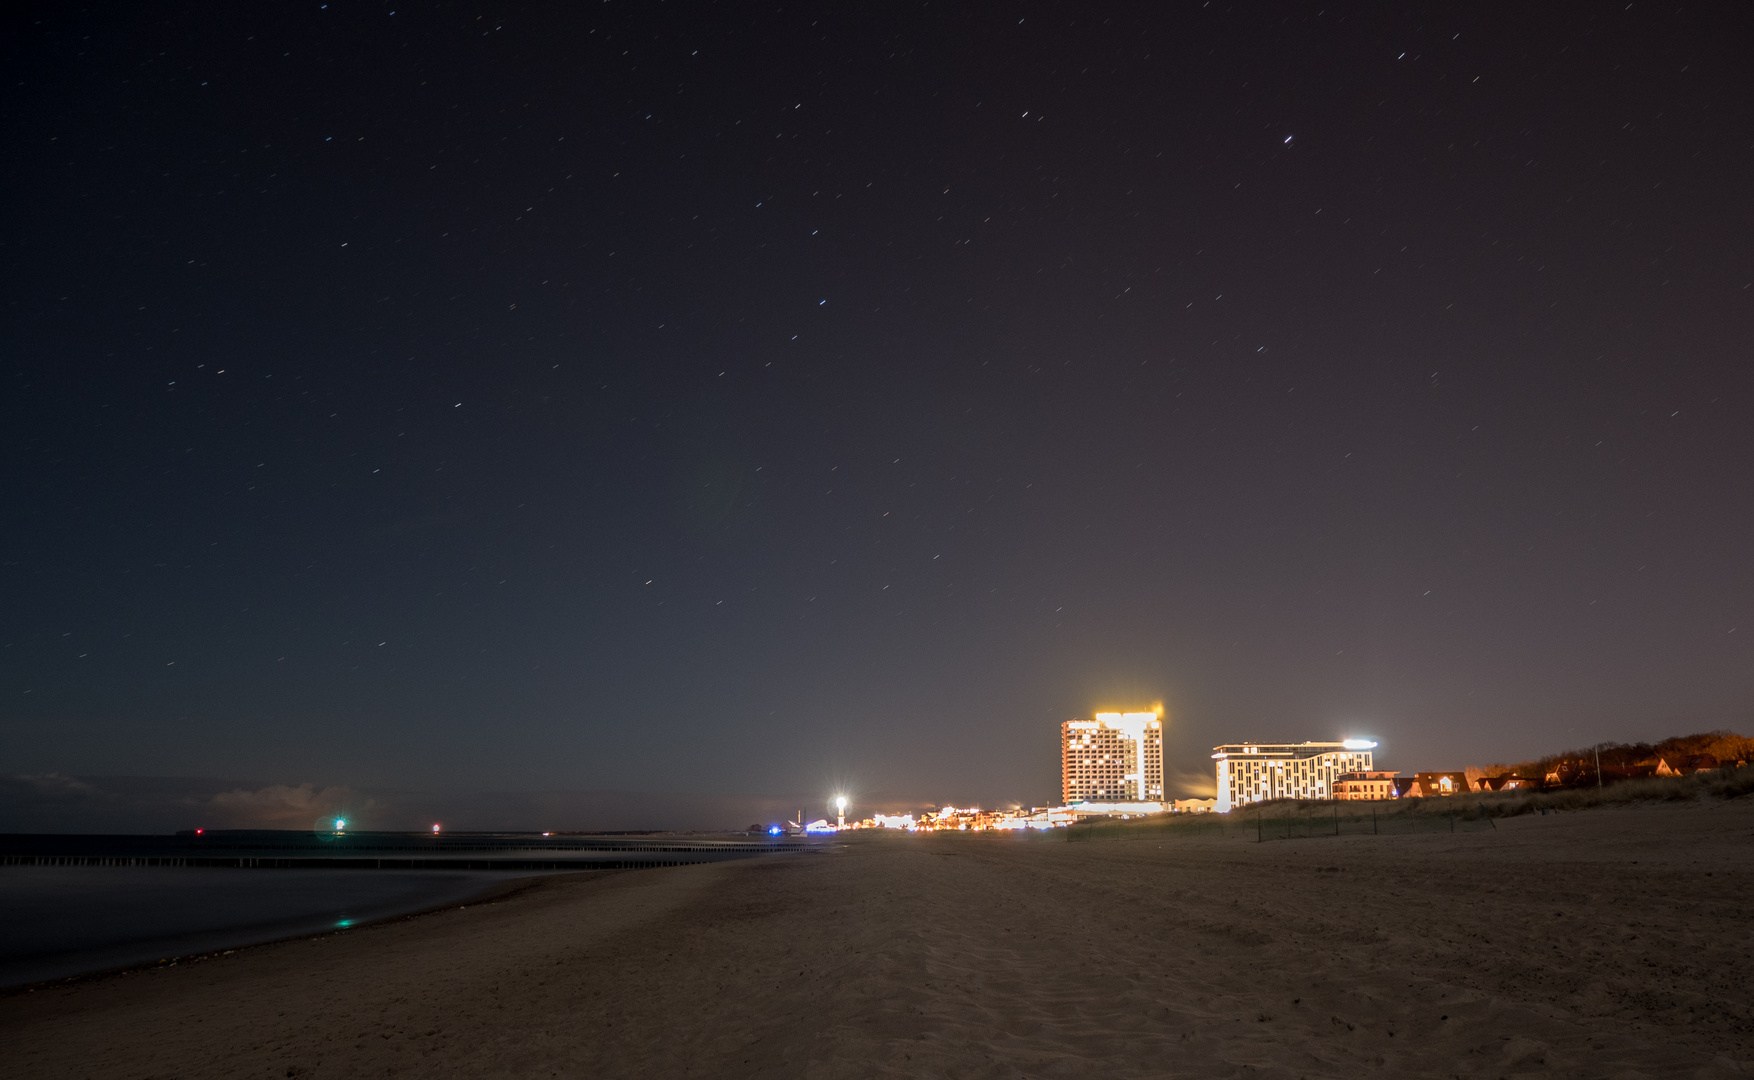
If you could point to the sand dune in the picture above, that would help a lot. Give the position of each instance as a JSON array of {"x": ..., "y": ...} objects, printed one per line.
[{"x": 1613, "y": 943}]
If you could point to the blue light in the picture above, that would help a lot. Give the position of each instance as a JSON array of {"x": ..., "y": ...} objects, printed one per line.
[{"x": 774, "y": 830}]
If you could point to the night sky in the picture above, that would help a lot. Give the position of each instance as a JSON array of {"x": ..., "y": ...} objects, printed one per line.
[{"x": 773, "y": 400}]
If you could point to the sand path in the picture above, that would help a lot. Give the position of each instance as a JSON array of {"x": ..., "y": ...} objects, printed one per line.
[{"x": 1614, "y": 943}]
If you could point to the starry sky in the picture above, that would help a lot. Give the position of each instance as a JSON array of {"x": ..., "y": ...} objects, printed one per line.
[{"x": 770, "y": 400}]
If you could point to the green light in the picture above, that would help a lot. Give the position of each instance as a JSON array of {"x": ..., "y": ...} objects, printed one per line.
[
  {"x": 340, "y": 823},
  {"x": 345, "y": 923}
]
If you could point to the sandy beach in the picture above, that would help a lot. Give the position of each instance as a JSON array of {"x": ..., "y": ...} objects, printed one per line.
[{"x": 1608, "y": 943}]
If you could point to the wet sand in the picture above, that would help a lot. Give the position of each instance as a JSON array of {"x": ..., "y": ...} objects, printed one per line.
[{"x": 1609, "y": 943}]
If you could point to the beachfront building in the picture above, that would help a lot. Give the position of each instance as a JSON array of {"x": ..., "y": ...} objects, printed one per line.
[
  {"x": 1365, "y": 785},
  {"x": 1040, "y": 817},
  {"x": 1256, "y": 772},
  {"x": 1113, "y": 757},
  {"x": 1428, "y": 785},
  {"x": 1509, "y": 782}
]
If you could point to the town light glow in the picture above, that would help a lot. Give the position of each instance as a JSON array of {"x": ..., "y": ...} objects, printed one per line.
[{"x": 1359, "y": 744}]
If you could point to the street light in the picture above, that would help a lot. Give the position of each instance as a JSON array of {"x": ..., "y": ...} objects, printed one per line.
[{"x": 840, "y": 804}]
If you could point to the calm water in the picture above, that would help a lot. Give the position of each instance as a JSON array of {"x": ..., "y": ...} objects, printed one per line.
[{"x": 60, "y": 921}]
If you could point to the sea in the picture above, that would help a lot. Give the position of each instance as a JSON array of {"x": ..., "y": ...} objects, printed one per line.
[
  {"x": 60, "y": 921},
  {"x": 77, "y": 904}
]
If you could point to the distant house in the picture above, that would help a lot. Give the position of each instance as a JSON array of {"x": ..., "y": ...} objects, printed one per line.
[
  {"x": 1365, "y": 786},
  {"x": 1687, "y": 764},
  {"x": 1582, "y": 772},
  {"x": 1193, "y": 806},
  {"x": 1510, "y": 782},
  {"x": 1434, "y": 784},
  {"x": 1570, "y": 773}
]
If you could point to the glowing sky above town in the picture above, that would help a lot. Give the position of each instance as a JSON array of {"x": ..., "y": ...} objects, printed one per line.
[{"x": 687, "y": 397}]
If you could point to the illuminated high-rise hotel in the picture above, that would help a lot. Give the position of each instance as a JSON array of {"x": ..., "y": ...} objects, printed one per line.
[{"x": 1114, "y": 757}]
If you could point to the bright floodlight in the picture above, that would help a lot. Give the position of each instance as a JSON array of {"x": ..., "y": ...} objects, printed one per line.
[
  {"x": 1359, "y": 744},
  {"x": 340, "y": 823},
  {"x": 435, "y": 828},
  {"x": 840, "y": 803}
]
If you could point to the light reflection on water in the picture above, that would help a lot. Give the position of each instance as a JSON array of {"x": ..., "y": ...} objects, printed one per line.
[{"x": 60, "y": 921}]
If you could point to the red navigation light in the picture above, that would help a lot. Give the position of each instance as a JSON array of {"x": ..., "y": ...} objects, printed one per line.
[{"x": 198, "y": 832}]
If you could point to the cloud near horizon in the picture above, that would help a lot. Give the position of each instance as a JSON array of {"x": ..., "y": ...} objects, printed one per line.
[{"x": 281, "y": 806}]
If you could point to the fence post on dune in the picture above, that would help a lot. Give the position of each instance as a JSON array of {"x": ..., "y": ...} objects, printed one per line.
[
  {"x": 1373, "y": 821},
  {"x": 1336, "y": 807}
]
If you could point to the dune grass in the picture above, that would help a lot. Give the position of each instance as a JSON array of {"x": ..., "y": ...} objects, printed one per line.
[
  {"x": 1727, "y": 783},
  {"x": 1285, "y": 817}
]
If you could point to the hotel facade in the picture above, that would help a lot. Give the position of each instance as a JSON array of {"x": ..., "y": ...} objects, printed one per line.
[
  {"x": 1256, "y": 772},
  {"x": 1112, "y": 758}
]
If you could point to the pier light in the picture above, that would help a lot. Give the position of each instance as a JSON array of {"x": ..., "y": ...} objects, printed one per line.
[
  {"x": 435, "y": 828},
  {"x": 340, "y": 824},
  {"x": 840, "y": 805}
]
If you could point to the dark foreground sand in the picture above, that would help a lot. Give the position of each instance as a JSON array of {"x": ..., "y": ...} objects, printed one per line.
[{"x": 1611, "y": 943}]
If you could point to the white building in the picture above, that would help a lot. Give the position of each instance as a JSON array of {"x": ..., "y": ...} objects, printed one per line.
[
  {"x": 1114, "y": 757},
  {"x": 1256, "y": 772}
]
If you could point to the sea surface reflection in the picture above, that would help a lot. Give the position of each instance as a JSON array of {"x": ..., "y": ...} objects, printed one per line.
[{"x": 61, "y": 921}]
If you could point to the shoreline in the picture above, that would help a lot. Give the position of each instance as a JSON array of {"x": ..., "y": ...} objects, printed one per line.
[
  {"x": 74, "y": 905},
  {"x": 1574, "y": 945},
  {"x": 488, "y": 892}
]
